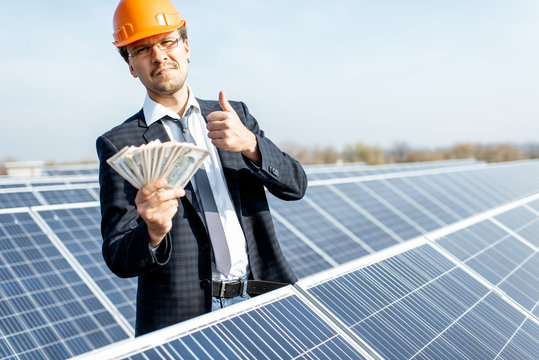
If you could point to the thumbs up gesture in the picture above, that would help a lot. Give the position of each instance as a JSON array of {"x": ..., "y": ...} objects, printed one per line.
[{"x": 226, "y": 131}]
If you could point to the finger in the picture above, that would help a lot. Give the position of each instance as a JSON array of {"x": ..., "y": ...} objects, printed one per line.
[
  {"x": 216, "y": 134},
  {"x": 165, "y": 195},
  {"x": 217, "y": 125},
  {"x": 217, "y": 116},
  {"x": 159, "y": 215},
  {"x": 225, "y": 105},
  {"x": 179, "y": 192},
  {"x": 149, "y": 190}
]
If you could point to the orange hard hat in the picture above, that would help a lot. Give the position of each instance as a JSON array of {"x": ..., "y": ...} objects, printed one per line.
[{"x": 137, "y": 19}]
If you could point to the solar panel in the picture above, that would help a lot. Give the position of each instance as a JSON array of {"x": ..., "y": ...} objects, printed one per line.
[
  {"x": 429, "y": 185},
  {"x": 418, "y": 304},
  {"x": 359, "y": 221},
  {"x": 302, "y": 258},
  {"x": 280, "y": 325},
  {"x": 46, "y": 309},
  {"x": 471, "y": 293},
  {"x": 534, "y": 205},
  {"x": 325, "y": 172},
  {"x": 17, "y": 199},
  {"x": 368, "y": 201},
  {"x": 498, "y": 257},
  {"x": 319, "y": 229},
  {"x": 400, "y": 203},
  {"x": 522, "y": 221},
  {"x": 78, "y": 229},
  {"x": 427, "y": 201},
  {"x": 67, "y": 196}
]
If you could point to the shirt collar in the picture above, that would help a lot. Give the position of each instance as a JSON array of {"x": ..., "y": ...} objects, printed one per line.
[{"x": 154, "y": 111}]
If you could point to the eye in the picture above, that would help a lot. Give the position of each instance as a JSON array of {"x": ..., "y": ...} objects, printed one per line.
[
  {"x": 140, "y": 50},
  {"x": 168, "y": 43}
]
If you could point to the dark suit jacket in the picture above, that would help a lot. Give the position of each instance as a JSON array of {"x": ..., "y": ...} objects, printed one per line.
[{"x": 175, "y": 285}]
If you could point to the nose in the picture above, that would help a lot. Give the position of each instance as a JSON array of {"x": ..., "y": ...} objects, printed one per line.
[{"x": 157, "y": 54}]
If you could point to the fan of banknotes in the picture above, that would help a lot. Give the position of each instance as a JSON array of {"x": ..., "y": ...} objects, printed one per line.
[{"x": 175, "y": 161}]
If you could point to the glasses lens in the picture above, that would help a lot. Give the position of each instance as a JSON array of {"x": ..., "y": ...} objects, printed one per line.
[
  {"x": 168, "y": 44},
  {"x": 141, "y": 52},
  {"x": 165, "y": 45}
]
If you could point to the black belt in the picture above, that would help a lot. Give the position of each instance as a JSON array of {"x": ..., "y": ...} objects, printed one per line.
[{"x": 227, "y": 289}]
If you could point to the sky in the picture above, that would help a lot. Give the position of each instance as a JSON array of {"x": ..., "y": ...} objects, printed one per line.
[{"x": 329, "y": 73}]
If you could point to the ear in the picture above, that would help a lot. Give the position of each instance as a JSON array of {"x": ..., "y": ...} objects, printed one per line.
[
  {"x": 186, "y": 47},
  {"x": 132, "y": 70}
]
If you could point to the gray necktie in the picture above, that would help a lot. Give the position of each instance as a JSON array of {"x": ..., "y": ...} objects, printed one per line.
[{"x": 213, "y": 221}]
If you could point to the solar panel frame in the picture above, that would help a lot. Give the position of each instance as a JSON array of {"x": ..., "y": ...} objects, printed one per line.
[{"x": 286, "y": 322}]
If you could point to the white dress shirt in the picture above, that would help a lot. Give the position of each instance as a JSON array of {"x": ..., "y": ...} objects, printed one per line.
[{"x": 197, "y": 127}]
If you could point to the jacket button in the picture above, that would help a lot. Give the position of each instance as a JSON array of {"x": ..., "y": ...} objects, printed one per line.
[
  {"x": 273, "y": 170},
  {"x": 142, "y": 263},
  {"x": 206, "y": 283}
]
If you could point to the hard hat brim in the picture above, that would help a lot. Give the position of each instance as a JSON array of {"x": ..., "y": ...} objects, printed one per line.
[{"x": 151, "y": 31}]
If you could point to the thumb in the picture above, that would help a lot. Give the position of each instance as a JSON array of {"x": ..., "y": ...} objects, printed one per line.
[{"x": 225, "y": 105}]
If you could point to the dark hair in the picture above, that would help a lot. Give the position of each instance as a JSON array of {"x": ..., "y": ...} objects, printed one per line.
[{"x": 123, "y": 50}]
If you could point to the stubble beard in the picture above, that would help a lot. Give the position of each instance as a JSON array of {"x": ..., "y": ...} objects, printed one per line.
[
  {"x": 167, "y": 87},
  {"x": 169, "y": 84}
]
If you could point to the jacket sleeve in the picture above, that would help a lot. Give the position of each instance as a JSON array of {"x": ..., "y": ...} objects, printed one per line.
[
  {"x": 281, "y": 174},
  {"x": 126, "y": 248}
]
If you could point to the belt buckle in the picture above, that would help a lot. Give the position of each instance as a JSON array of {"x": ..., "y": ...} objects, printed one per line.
[
  {"x": 222, "y": 289},
  {"x": 224, "y": 283}
]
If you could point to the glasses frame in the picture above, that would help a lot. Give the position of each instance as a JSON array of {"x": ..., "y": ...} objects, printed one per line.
[{"x": 143, "y": 48}]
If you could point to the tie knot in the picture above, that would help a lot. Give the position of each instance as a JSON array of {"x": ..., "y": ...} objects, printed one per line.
[{"x": 183, "y": 120}]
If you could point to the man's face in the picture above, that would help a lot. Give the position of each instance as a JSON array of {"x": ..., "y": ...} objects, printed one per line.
[{"x": 162, "y": 72}]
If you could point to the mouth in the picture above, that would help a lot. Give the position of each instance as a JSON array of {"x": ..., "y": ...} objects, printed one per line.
[{"x": 163, "y": 71}]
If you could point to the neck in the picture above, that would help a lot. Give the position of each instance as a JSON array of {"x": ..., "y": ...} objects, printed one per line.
[{"x": 176, "y": 101}]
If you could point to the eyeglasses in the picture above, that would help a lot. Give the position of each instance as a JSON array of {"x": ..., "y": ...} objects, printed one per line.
[{"x": 145, "y": 50}]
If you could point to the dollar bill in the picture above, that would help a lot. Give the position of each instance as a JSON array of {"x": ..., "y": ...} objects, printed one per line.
[{"x": 175, "y": 161}]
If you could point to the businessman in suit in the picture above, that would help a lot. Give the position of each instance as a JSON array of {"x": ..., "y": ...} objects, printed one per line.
[{"x": 166, "y": 236}]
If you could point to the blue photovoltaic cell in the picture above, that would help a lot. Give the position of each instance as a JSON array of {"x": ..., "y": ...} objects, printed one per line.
[
  {"x": 428, "y": 202},
  {"x": 458, "y": 195},
  {"x": 11, "y": 186},
  {"x": 67, "y": 196},
  {"x": 38, "y": 184},
  {"x": 78, "y": 229},
  {"x": 407, "y": 208},
  {"x": 303, "y": 260},
  {"x": 523, "y": 284},
  {"x": 18, "y": 199},
  {"x": 366, "y": 230},
  {"x": 358, "y": 194},
  {"x": 318, "y": 229},
  {"x": 473, "y": 240},
  {"x": 420, "y": 304},
  {"x": 470, "y": 191},
  {"x": 46, "y": 310},
  {"x": 286, "y": 329},
  {"x": 500, "y": 258},
  {"x": 490, "y": 187},
  {"x": 524, "y": 346},
  {"x": 428, "y": 185},
  {"x": 534, "y": 204},
  {"x": 522, "y": 178},
  {"x": 522, "y": 221}
]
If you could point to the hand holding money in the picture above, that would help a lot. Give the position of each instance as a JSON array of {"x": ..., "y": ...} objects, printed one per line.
[
  {"x": 160, "y": 171},
  {"x": 157, "y": 206}
]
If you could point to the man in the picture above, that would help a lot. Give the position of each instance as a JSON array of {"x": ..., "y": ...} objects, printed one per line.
[{"x": 168, "y": 237}]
